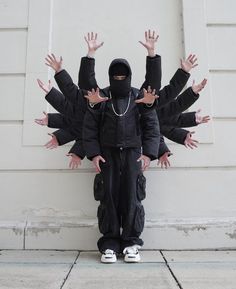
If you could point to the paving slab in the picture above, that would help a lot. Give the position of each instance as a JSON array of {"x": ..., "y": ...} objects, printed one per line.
[
  {"x": 200, "y": 256},
  {"x": 203, "y": 269},
  {"x": 151, "y": 273},
  {"x": 38, "y": 256},
  {"x": 34, "y": 269}
]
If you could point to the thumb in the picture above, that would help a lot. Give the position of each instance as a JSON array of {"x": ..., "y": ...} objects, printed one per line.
[{"x": 102, "y": 159}]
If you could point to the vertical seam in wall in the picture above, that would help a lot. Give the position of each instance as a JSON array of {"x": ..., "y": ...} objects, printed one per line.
[
  {"x": 171, "y": 272},
  {"x": 64, "y": 281},
  {"x": 50, "y": 43},
  {"x": 24, "y": 235}
]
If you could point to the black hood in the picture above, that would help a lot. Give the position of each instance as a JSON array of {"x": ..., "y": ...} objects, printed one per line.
[{"x": 120, "y": 88}]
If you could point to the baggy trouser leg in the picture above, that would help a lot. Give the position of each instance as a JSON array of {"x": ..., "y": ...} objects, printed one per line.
[
  {"x": 108, "y": 216},
  {"x": 133, "y": 192}
]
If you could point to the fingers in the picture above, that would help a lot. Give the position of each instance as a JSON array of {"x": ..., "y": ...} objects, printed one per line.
[
  {"x": 204, "y": 82},
  {"x": 100, "y": 45},
  {"x": 205, "y": 119},
  {"x": 75, "y": 161},
  {"x": 140, "y": 100},
  {"x": 192, "y": 144},
  {"x": 146, "y": 36},
  {"x": 51, "y": 145},
  {"x": 145, "y": 165},
  {"x": 142, "y": 43},
  {"x": 40, "y": 83},
  {"x": 146, "y": 162},
  {"x": 39, "y": 121},
  {"x": 96, "y": 163},
  {"x": 85, "y": 38}
]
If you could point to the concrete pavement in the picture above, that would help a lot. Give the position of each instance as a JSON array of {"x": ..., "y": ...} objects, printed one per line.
[{"x": 43, "y": 269}]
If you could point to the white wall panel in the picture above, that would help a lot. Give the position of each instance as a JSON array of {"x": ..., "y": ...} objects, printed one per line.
[
  {"x": 12, "y": 97},
  {"x": 35, "y": 195},
  {"x": 222, "y": 43},
  {"x": 185, "y": 193},
  {"x": 223, "y": 92},
  {"x": 13, "y": 13},
  {"x": 120, "y": 24},
  {"x": 189, "y": 193},
  {"x": 13, "y": 51},
  {"x": 195, "y": 41},
  {"x": 220, "y": 12}
]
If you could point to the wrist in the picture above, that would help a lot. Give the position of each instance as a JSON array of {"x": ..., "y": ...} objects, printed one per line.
[
  {"x": 151, "y": 52},
  {"x": 91, "y": 54},
  {"x": 58, "y": 70}
]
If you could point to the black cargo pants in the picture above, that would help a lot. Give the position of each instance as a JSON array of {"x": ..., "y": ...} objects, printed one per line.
[{"x": 120, "y": 188}]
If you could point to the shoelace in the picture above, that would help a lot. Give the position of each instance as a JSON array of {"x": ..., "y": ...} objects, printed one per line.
[
  {"x": 131, "y": 251},
  {"x": 109, "y": 252}
]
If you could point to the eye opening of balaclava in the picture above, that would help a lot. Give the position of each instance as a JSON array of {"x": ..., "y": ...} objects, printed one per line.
[{"x": 120, "y": 88}]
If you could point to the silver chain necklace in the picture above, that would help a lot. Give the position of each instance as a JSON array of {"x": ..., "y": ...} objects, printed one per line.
[{"x": 113, "y": 108}]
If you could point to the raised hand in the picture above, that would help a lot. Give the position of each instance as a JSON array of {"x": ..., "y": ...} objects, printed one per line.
[
  {"x": 96, "y": 161},
  {"x": 198, "y": 87},
  {"x": 94, "y": 97},
  {"x": 150, "y": 41},
  {"x": 164, "y": 161},
  {"x": 42, "y": 121},
  {"x": 75, "y": 161},
  {"x": 145, "y": 162},
  {"x": 201, "y": 119},
  {"x": 189, "y": 63},
  {"x": 93, "y": 45},
  {"x": 45, "y": 87},
  {"x": 52, "y": 62},
  {"x": 189, "y": 142},
  {"x": 149, "y": 96},
  {"x": 53, "y": 143}
]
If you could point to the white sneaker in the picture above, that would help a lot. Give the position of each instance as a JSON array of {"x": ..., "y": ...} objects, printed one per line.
[
  {"x": 109, "y": 256},
  {"x": 131, "y": 254}
]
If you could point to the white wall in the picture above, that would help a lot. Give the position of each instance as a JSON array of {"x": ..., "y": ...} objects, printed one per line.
[{"x": 44, "y": 204}]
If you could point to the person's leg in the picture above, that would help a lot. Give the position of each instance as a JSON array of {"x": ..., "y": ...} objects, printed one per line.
[
  {"x": 132, "y": 192},
  {"x": 108, "y": 215}
]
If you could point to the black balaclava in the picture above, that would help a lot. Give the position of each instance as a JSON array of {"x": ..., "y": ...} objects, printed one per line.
[{"x": 120, "y": 88}]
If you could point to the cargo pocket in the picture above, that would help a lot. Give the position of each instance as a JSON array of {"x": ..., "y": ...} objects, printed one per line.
[
  {"x": 141, "y": 187},
  {"x": 139, "y": 219},
  {"x": 103, "y": 219},
  {"x": 98, "y": 187}
]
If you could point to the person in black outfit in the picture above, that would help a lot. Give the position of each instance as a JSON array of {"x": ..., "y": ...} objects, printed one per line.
[{"x": 117, "y": 136}]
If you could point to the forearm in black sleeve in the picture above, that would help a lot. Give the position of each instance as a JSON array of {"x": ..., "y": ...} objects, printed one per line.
[
  {"x": 61, "y": 104},
  {"x": 177, "y": 135},
  {"x": 66, "y": 85},
  {"x": 150, "y": 134},
  {"x": 91, "y": 127},
  {"x": 172, "y": 90},
  {"x": 86, "y": 79},
  {"x": 57, "y": 120},
  {"x": 63, "y": 136},
  {"x": 78, "y": 149},
  {"x": 187, "y": 119},
  {"x": 177, "y": 106},
  {"x": 163, "y": 148},
  {"x": 153, "y": 73}
]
